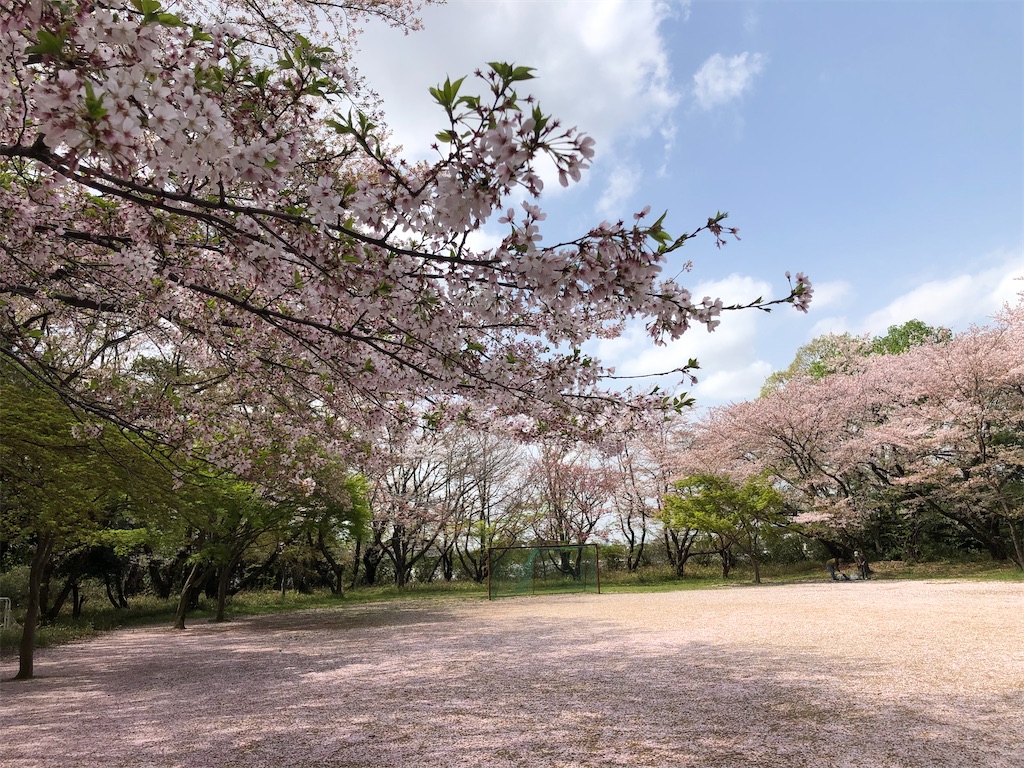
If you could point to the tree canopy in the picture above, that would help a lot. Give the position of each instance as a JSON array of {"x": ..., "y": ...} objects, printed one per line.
[
  {"x": 929, "y": 430},
  {"x": 206, "y": 188},
  {"x": 840, "y": 352}
]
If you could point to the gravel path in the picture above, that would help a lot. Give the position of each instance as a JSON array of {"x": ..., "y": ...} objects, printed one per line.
[{"x": 885, "y": 674}]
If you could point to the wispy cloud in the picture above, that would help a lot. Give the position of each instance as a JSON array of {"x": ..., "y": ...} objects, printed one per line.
[
  {"x": 955, "y": 301},
  {"x": 831, "y": 294},
  {"x": 721, "y": 80},
  {"x": 623, "y": 181},
  {"x": 732, "y": 366}
]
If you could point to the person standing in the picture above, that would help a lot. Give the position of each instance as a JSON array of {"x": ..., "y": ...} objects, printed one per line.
[{"x": 862, "y": 563}]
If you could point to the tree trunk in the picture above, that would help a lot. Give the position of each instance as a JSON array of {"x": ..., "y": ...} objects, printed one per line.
[
  {"x": 636, "y": 553},
  {"x": 355, "y": 563},
  {"x": 53, "y": 611},
  {"x": 398, "y": 552},
  {"x": 161, "y": 585},
  {"x": 26, "y": 651},
  {"x": 1018, "y": 546},
  {"x": 119, "y": 583},
  {"x": 726, "y": 555},
  {"x": 223, "y": 583},
  {"x": 401, "y": 575},
  {"x": 371, "y": 560},
  {"x": 256, "y": 575},
  {"x": 110, "y": 592},
  {"x": 185, "y": 597},
  {"x": 44, "y": 588},
  {"x": 223, "y": 577},
  {"x": 337, "y": 568},
  {"x": 447, "y": 565},
  {"x": 678, "y": 548},
  {"x": 339, "y": 573},
  {"x": 77, "y": 601}
]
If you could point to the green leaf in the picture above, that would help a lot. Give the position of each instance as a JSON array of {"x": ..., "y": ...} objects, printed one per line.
[
  {"x": 94, "y": 104},
  {"x": 198, "y": 35},
  {"x": 509, "y": 73},
  {"x": 522, "y": 73},
  {"x": 500, "y": 68},
  {"x": 48, "y": 44},
  {"x": 540, "y": 120},
  {"x": 146, "y": 7},
  {"x": 169, "y": 20},
  {"x": 340, "y": 127}
]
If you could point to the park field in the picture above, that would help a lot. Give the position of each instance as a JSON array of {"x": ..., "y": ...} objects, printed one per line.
[{"x": 887, "y": 674}]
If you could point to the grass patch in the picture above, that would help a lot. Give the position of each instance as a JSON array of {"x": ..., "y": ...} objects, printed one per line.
[
  {"x": 148, "y": 610},
  {"x": 974, "y": 570}
]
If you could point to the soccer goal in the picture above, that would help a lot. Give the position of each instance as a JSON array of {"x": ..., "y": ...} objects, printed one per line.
[{"x": 530, "y": 570}]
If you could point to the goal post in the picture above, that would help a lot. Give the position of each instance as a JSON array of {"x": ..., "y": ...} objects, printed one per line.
[{"x": 547, "y": 568}]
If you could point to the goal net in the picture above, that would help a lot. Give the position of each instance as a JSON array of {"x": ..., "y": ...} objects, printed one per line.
[{"x": 530, "y": 570}]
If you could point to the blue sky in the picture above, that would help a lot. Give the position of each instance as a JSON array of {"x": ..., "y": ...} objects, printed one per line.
[{"x": 876, "y": 146}]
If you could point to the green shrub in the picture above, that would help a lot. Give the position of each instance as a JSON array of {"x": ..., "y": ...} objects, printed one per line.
[{"x": 14, "y": 584}]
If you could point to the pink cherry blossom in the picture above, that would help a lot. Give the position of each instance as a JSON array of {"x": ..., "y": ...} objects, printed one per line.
[{"x": 213, "y": 190}]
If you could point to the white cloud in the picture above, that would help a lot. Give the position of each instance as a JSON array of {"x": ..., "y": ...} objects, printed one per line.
[
  {"x": 955, "y": 302},
  {"x": 721, "y": 80},
  {"x": 732, "y": 366},
  {"x": 732, "y": 385},
  {"x": 482, "y": 240},
  {"x": 827, "y": 325},
  {"x": 622, "y": 183},
  {"x": 830, "y": 294},
  {"x": 602, "y": 66}
]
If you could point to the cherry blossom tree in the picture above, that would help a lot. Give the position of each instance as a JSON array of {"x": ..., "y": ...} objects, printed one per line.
[
  {"x": 207, "y": 186},
  {"x": 931, "y": 429},
  {"x": 414, "y": 498},
  {"x": 488, "y": 493},
  {"x": 634, "y": 502},
  {"x": 571, "y": 492},
  {"x": 643, "y": 463},
  {"x": 961, "y": 444},
  {"x": 809, "y": 438}
]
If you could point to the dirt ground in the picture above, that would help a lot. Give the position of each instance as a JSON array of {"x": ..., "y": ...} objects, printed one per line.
[{"x": 885, "y": 674}]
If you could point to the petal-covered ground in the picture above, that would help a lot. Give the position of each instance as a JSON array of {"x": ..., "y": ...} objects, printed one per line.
[{"x": 883, "y": 674}]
